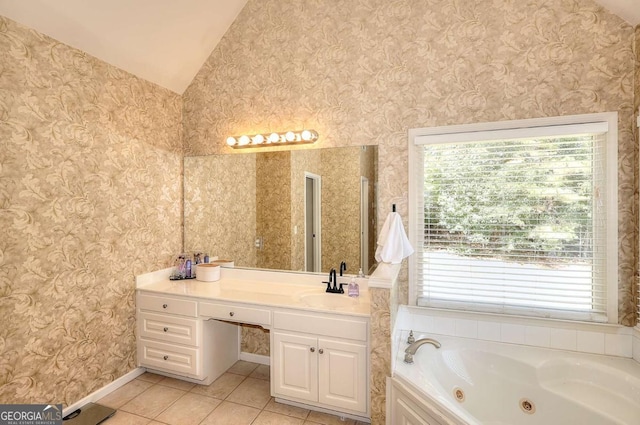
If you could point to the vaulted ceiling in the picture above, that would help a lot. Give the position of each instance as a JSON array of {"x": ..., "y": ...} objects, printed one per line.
[{"x": 162, "y": 41}]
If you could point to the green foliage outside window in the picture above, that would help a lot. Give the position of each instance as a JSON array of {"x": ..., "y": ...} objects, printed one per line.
[{"x": 518, "y": 199}]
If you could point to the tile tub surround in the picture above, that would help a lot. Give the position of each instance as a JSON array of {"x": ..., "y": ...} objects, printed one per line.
[
  {"x": 613, "y": 340},
  {"x": 240, "y": 396}
]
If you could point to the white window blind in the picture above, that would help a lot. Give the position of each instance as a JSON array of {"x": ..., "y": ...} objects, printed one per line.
[{"x": 513, "y": 224}]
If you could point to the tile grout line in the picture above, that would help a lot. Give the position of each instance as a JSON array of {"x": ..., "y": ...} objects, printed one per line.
[{"x": 156, "y": 383}]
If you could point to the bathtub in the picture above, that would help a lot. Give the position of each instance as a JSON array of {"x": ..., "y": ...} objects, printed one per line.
[{"x": 470, "y": 381}]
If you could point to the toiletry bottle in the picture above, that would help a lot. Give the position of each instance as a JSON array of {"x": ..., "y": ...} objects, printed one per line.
[
  {"x": 354, "y": 288},
  {"x": 206, "y": 258},
  {"x": 183, "y": 266},
  {"x": 188, "y": 276}
]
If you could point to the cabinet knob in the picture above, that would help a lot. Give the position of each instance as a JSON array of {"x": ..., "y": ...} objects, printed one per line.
[
  {"x": 165, "y": 329},
  {"x": 164, "y": 306},
  {"x": 166, "y": 357},
  {"x": 312, "y": 349},
  {"x": 231, "y": 313},
  {"x": 321, "y": 351}
]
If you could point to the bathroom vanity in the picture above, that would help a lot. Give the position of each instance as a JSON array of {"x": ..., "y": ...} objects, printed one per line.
[{"x": 319, "y": 342}]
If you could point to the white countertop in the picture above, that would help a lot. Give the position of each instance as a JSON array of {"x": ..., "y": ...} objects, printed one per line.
[{"x": 265, "y": 288}]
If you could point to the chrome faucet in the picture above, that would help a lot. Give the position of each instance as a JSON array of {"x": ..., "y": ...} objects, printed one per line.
[{"x": 411, "y": 349}]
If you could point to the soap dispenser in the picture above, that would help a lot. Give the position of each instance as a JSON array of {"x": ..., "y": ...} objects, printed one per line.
[{"x": 354, "y": 288}]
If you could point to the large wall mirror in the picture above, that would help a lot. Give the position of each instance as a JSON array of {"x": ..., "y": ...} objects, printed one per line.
[{"x": 300, "y": 210}]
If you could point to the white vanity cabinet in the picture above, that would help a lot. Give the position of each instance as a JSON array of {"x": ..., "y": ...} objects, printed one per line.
[
  {"x": 320, "y": 359},
  {"x": 174, "y": 341},
  {"x": 319, "y": 356}
]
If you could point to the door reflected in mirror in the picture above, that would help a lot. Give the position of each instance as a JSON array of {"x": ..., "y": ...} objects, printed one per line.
[
  {"x": 312, "y": 222},
  {"x": 300, "y": 210}
]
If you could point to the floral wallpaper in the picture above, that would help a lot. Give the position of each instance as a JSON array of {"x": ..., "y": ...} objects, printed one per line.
[
  {"x": 90, "y": 196},
  {"x": 220, "y": 194},
  {"x": 340, "y": 208},
  {"x": 379, "y": 351},
  {"x": 273, "y": 209},
  {"x": 366, "y": 72},
  {"x": 637, "y": 156}
]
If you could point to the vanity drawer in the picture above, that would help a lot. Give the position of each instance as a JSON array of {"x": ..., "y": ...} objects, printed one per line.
[
  {"x": 170, "y": 358},
  {"x": 170, "y": 328},
  {"x": 234, "y": 313},
  {"x": 350, "y": 328},
  {"x": 168, "y": 305}
]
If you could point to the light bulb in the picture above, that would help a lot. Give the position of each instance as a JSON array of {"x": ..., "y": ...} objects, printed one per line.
[
  {"x": 258, "y": 139},
  {"x": 290, "y": 136},
  {"x": 273, "y": 137},
  {"x": 231, "y": 141},
  {"x": 244, "y": 140},
  {"x": 306, "y": 135}
]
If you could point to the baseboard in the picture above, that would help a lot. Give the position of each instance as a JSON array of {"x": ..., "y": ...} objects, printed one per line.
[
  {"x": 341, "y": 415},
  {"x": 255, "y": 358},
  {"x": 97, "y": 395}
]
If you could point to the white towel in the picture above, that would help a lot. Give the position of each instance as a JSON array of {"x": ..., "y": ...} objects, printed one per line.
[{"x": 393, "y": 244}]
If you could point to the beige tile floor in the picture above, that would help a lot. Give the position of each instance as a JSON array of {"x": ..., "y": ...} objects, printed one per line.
[{"x": 241, "y": 396}]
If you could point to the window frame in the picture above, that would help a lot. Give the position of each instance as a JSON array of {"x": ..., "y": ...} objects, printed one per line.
[{"x": 524, "y": 128}]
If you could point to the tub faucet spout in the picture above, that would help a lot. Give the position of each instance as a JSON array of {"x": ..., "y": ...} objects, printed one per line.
[{"x": 411, "y": 349}]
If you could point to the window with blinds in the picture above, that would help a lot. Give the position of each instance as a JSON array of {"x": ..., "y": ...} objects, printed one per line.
[{"x": 516, "y": 220}]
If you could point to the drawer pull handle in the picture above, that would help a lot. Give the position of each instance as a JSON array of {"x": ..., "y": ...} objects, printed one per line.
[
  {"x": 231, "y": 313},
  {"x": 165, "y": 329},
  {"x": 321, "y": 351},
  {"x": 312, "y": 349},
  {"x": 166, "y": 357},
  {"x": 164, "y": 306}
]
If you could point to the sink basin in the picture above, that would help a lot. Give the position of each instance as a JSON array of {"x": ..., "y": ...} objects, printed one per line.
[{"x": 328, "y": 300}]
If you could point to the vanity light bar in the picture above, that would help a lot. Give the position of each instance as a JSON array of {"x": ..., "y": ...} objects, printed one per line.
[{"x": 273, "y": 139}]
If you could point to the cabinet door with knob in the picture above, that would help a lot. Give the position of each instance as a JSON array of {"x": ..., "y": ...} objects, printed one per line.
[
  {"x": 342, "y": 381},
  {"x": 295, "y": 366},
  {"x": 329, "y": 372}
]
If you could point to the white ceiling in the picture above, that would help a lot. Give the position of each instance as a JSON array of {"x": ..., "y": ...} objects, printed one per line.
[
  {"x": 163, "y": 41},
  {"x": 629, "y": 10}
]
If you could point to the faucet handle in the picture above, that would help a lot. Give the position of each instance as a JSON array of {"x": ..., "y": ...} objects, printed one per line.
[
  {"x": 411, "y": 338},
  {"x": 328, "y": 286},
  {"x": 408, "y": 358}
]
